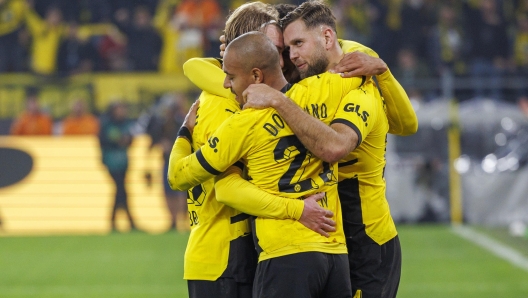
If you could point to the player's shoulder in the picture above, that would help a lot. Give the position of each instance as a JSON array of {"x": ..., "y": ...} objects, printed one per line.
[
  {"x": 349, "y": 46},
  {"x": 317, "y": 80},
  {"x": 214, "y": 104}
]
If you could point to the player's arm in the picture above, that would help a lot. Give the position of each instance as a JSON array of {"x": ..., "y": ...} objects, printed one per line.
[
  {"x": 400, "y": 112},
  {"x": 207, "y": 74},
  {"x": 402, "y": 117},
  {"x": 185, "y": 169},
  {"x": 329, "y": 143},
  {"x": 233, "y": 190},
  {"x": 225, "y": 147},
  {"x": 34, "y": 22}
]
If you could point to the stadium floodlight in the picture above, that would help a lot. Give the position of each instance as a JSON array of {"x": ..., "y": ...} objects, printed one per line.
[
  {"x": 508, "y": 124},
  {"x": 462, "y": 164},
  {"x": 489, "y": 163},
  {"x": 501, "y": 139}
]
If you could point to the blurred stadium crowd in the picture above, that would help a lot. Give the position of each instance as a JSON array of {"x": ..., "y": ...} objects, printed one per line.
[
  {"x": 417, "y": 38},
  {"x": 471, "y": 48}
]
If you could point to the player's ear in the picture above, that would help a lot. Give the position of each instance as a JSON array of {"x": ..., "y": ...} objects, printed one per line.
[
  {"x": 258, "y": 76},
  {"x": 329, "y": 36}
]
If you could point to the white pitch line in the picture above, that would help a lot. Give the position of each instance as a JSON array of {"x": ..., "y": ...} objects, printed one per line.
[{"x": 500, "y": 250}]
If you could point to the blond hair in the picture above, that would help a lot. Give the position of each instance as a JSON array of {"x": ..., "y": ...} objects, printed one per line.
[{"x": 252, "y": 16}]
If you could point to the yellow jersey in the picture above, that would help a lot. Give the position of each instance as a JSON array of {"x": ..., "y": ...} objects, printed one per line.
[
  {"x": 213, "y": 224},
  {"x": 279, "y": 164},
  {"x": 361, "y": 182},
  {"x": 207, "y": 74},
  {"x": 374, "y": 220}
]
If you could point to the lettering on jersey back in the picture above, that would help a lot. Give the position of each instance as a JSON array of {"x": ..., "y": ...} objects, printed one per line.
[
  {"x": 319, "y": 112},
  {"x": 275, "y": 125}
]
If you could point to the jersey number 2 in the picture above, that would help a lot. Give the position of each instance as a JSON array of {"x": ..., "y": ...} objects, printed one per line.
[{"x": 285, "y": 149}]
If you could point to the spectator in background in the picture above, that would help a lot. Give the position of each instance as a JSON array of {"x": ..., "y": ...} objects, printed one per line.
[
  {"x": 489, "y": 47},
  {"x": 415, "y": 25},
  {"x": 11, "y": 19},
  {"x": 86, "y": 11},
  {"x": 198, "y": 22},
  {"x": 353, "y": 19},
  {"x": 166, "y": 22},
  {"x": 48, "y": 33},
  {"x": 143, "y": 41},
  {"x": 76, "y": 54},
  {"x": 33, "y": 121},
  {"x": 80, "y": 121},
  {"x": 115, "y": 138},
  {"x": 385, "y": 25},
  {"x": 46, "y": 36},
  {"x": 163, "y": 128},
  {"x": 445, "y": 44},
  {"x": 409, "y": 68}
]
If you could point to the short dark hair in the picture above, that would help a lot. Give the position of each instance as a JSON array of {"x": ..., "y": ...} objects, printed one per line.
[
  {"x": 255, "y": 50},
  {"x": 284, "y": 9},
  {"x": 312, "y": 13}
]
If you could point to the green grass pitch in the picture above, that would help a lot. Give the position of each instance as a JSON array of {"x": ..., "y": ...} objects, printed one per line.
[{"x": 436, "y": 263}]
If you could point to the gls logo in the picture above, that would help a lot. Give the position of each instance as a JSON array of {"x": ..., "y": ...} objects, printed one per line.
[
  {"x": 213, "y": 142},
  {"x": 350, "y": 107}
]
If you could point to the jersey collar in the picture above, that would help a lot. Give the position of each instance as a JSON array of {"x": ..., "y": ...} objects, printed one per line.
[{"x": 286, "y": 88}]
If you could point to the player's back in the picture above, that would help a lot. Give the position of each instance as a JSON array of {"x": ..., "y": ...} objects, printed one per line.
[
  {"x": 210, "y": 220},
  {"x": 278, "y": 163}
]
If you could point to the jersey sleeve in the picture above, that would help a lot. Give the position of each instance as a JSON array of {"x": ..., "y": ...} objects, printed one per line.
[
  {"x": 351, "y": 46},
  {"x": 228, "y": 144},
  {"x": 400, "y": 112},
  {"x": 355, "y": 110},
  {"x": 207, "y": 74},
  {"x": 401, "y": 115},
  {"x": 234, "y": 191},
  {"x": 185, "y": 170}
]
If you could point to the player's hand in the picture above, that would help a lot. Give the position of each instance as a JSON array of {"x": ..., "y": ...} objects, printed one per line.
[
  {"x": 315, "y": 217},
  {"x": 222, "y": 45},
  {"x": 190, "y": 118},
  {"x": 260, "y": 96},
  {"x": 359, "y": 64}
]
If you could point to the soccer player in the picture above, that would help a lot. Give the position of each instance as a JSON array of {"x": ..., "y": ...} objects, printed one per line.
[
  {"x": 358, "y": 60},
  {"x": 372, "y": 241},
  {"x": 220, "y": 258},
  {"x": 278, "y": 163}
]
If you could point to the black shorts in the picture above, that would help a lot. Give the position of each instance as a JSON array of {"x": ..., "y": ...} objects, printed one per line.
[
  {"x": 237, "y": 279},
  {"x": 375, "y": 269},
  {"x": 303, "y": 275},
  {"x": 221, "y": 288}
]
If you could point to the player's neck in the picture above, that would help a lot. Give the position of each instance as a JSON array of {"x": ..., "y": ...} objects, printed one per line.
[
  {"x": 335, "y": 54},
  {"x": 277, "y": 82}
]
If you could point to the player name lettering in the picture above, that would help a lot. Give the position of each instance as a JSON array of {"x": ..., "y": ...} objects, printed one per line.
[
  {"x": 319, "y": 112},
  {"x": 275, "y": 125}
]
